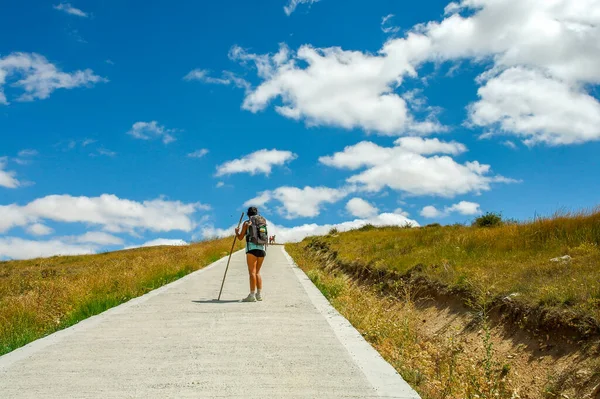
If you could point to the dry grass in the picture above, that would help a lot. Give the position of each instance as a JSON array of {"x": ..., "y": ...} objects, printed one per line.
[
  {"x": 437, "y": 367},
  {"x": 513, "y": 259},
  {"x": 40, "y": 296}
]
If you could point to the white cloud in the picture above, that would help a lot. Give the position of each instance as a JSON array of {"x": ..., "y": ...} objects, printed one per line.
[
  {"x": 260, "y": 200},
  {"x": 104, "y": 152},
  {"x": 98, "y": 237},
  {"x": 347, "y": 89},
  {"x": 39, "y": 77},
  {"x": 18, "y": 248},
  {"x": 360, "y": 208},
  {"x": 165, "y": 241},
  {"x": 510, "y": 144},
  {"x": 292, "y": 4},
  {"x": 161, "y": 242},
  {"x": 152, "y": 130},
  {"x": 220, "y": 184},
  {"x": 28, "y": 153},
  {"x": 418, "y": 145},
  {"x": 405, "y": 168},
  {"x": 202, "y": 75},
  {"x": 298, "y": 233},
  {"x": 39, "y": 229},
  {"x": 108, "y": 211},
  {"x": 198, "y": 153},
  {"x": 463, "y": 208},
  {"x": 538, "y": 108},
  {"x": 430, "y": 212},
  {"x": 69, "y": 9},
  {"x": 261, "y": 161},
  {"x": 300, "y": 202},
  {"x": 385, "y": 27},
  {"x": 402, "y": 212},
  {"x": 228, "y": 78},
  {"x": 544, "y": 56},
  {"x": 7, "y": 177}
]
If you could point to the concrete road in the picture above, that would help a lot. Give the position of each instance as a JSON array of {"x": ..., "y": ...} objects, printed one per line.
[{"x": 178, "y": 342}]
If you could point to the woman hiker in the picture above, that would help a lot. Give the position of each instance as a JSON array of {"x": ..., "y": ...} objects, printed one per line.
[{"x": 254, "y": 231}]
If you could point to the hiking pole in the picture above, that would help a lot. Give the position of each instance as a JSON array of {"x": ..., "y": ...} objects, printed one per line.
[{"x": 229, "y": 260}]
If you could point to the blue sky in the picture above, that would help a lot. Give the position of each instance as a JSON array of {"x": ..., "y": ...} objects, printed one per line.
[{"x": 323, "y": 113}]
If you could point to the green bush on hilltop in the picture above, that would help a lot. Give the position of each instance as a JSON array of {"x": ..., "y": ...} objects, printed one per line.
[{"x": 490, "y": 219}]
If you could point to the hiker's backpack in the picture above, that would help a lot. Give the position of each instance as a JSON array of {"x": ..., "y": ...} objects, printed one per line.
[{"x": 257, "y": 230}]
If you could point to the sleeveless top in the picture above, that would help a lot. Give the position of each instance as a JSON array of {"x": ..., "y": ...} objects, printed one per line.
[{"x": 250, "y": 245}]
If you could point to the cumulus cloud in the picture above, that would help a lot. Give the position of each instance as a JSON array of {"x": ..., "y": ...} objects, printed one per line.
[
  {"x": 261, "y": 161},
  {"x": 463, "y": 208},
  {"x": 430, "y": 212},
  {"x": 537, "y": 108},
  {"x": 347, "y": 89},
  {"x": 292, "y": 4},
  {"x": 198, "y": 153},
  {"x": 69, "y": 9},
  {"x": 152, "y": 130},
  {"x": 38, "y": 77},
  {"x": 7, "y": 177},
  {"x": 360, "y": 208},
  {"x": 298, "y": 233},
  {"x": 543, "y": 55},
  {"x": 299, "y": 202},
  {"x": 38, "y": 229},
  {"x": 405, "y": 168},
  {"x": 108, "y": 211},
  {"x": 18, "y": 248}
]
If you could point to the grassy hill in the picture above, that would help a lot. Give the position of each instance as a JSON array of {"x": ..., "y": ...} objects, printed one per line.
[
  {"x": 41, "y": 296},
  {"x": 473, "y": 312}
]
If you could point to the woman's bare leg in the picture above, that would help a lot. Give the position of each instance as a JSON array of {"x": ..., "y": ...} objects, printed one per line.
[
  {"x": 259, "y": 262},
  {"x": 252, "y": 263}
]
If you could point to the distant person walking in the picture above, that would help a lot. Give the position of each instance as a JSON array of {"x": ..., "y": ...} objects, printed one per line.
[{"x": 254, "y": 230}]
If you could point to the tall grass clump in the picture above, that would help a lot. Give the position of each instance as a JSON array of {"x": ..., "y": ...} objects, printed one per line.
[{"x": 41, "y": 296}]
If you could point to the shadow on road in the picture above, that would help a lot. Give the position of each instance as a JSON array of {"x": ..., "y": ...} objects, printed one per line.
[{"x": 214, "y": 301}]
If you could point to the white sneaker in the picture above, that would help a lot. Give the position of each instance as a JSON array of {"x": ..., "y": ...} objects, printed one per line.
[
  {"x": 258, "y": 296},
  {"x": 250, "y": 298}
]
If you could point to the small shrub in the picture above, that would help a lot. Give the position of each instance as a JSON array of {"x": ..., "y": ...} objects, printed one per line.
[
  {"x": 367, "y": 227},
  {"x": 434, "y": 225},
  {"x": 490, "y": 219},
  {"x": 333, "y": 231}
]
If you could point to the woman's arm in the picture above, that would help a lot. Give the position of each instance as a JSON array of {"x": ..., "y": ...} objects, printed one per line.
[{"x": 241, "y": 234}]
